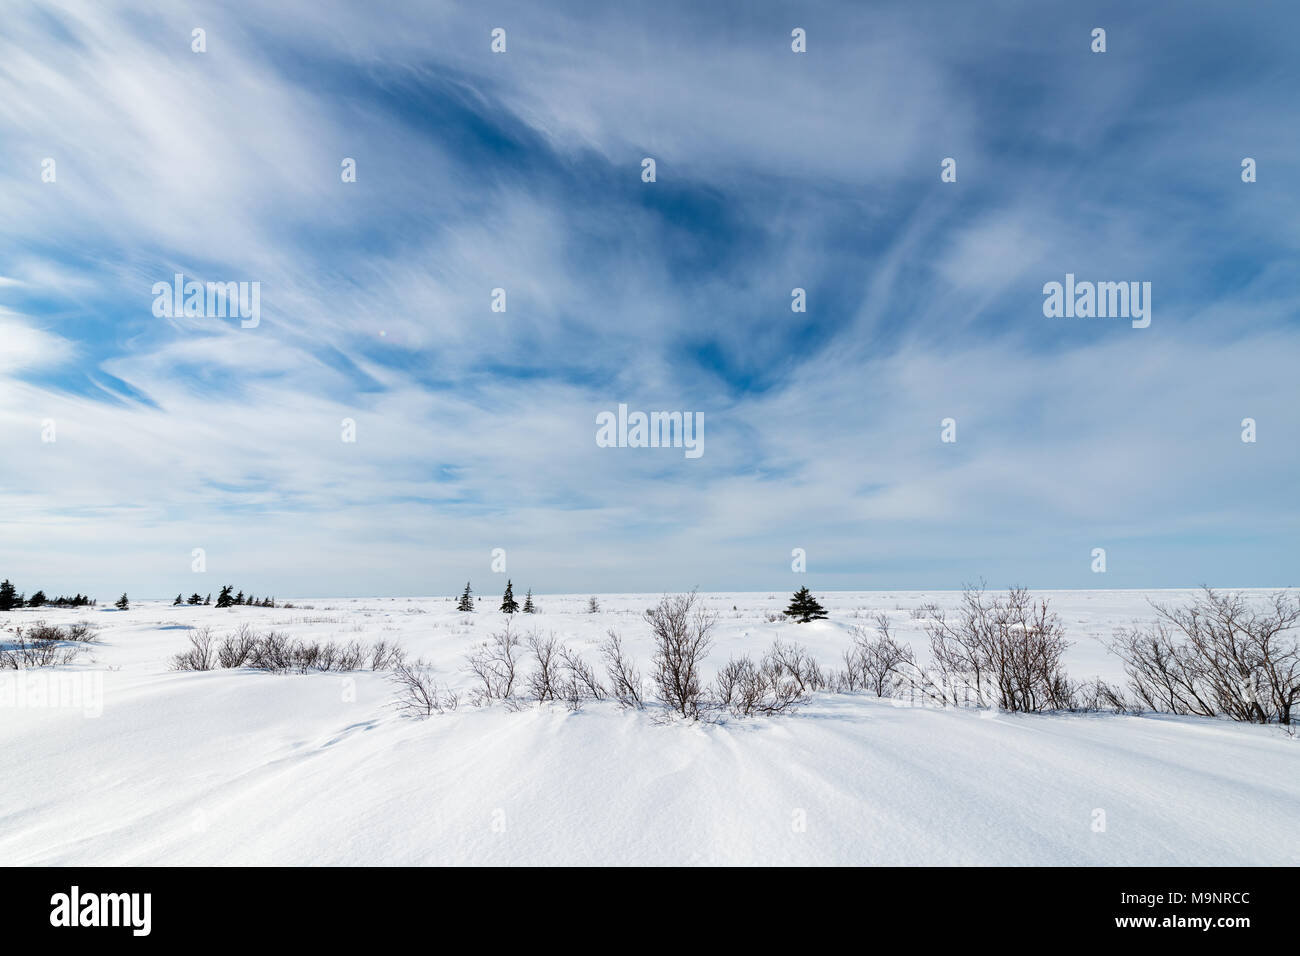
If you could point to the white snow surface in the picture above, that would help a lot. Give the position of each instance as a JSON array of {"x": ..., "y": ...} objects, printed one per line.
[{"x": 238, "y": 767}]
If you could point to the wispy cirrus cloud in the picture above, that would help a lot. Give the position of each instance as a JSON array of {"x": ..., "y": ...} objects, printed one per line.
[{"x": 522, "y": 171}]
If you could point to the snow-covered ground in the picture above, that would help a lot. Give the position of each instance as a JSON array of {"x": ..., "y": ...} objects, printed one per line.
[{"x": 243, "y": 767}]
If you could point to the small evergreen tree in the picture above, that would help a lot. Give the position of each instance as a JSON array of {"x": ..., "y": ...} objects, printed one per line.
[
  {"x": 804, "y": 607},
  {"x": 177, "y": 601},
  {"x": 7, "y": 595},
  {"x": 195, "y": 599},
  {"x": 122, "y": 603},
  {"x": 593, "y": 606},
  {"x": 37, "y": 599},
  {"x": 239, "y": 598},
  {"x": 208, "y": 599},
  {"x": 529, "y": 607},
  {"x": 466, "y": 602},
  {"x": 508, "y": 603},
  {"x": 223, "y": 599}
]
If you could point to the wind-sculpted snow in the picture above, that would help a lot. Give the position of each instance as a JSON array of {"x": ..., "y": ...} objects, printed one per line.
[{"x": 239, "y": 767}]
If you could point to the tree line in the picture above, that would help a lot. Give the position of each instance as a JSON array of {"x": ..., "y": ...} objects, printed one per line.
[
  {"x": 11, "y": 599},
  {"x": 803, "y": 606}
]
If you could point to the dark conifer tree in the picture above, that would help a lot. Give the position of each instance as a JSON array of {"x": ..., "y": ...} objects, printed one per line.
[
  {"x": 804, "y": 607},
  {"x": 508, "y": 603},
  {"x": 466, "y": 602},
  {"x": 7, "y": 595},
  {"x": 122, "y": 603},
  {"x": 177, "y": 601},
  {"x": 224, "y": 599},
  {"x": 529, "y": 607}
]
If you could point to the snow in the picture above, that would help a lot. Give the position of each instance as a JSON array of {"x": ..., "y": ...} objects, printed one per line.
[{"x": 241, "y": 767}]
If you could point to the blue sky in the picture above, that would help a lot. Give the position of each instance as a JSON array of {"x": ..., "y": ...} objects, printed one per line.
[{"x": 775, "y": 170}]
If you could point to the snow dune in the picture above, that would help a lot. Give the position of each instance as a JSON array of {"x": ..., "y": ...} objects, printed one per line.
[{"x": 243, "y": 768}]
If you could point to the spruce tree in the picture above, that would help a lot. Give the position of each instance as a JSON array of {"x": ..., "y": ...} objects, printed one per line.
[
  {"x": 122, "y": 603},
  {"x": 195, "y": 599},
  {"x": 529, "y": 607},
  {"x": 208, "y": 599},
  {"x": 804, "y": 607},
  {"x": 37, "y": 599},
  {"x": 223, "y": 599},
  {"x": 239, "y": 598},
  {"x": 7, "y": 595},
  {"x": 593, "y": 606},
  {"x": 466, "y": 602},
  {"x": 177, "y": 601},
  {"x": 508, "y": 603}
]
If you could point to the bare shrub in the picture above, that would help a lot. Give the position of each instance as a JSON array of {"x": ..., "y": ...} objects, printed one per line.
[
  {"x": 776, "y": 685},
  {"x": 20, "y": 653},
  {"x": 924, "y": 611},
  {"x": 851, "y": 677},
  {"x": 794, "y": 662},
  {"x": 681, "y": 626},
  {"x": 729, "y": 684},
  {"x": 40, "y": 631},
  {"x": 419, "y": 693},
  {"x": 235, "y": 649},
  {"x": 1217, "y": 657},
  {"x": 1006, "y": 652},
  {"x": 876, "y": 662},
  {"x": 738, "y": 686},
  {"x": 201, "y": 655},
  {"x": 580, "y": 682},
  {"x": 385, "y": 655},
  {"x": 545, "y": 683},
  {"x": 272, "y": 651},
  {"x": 1097, "y": 695},
  {"x": 624, "y": 678},
  {"x": 495, "y": 664},
  {"x": 351, "y": 656},
  {"x": 81, "y": 632}
]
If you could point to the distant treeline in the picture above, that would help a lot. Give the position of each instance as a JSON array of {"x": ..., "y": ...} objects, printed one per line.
[
  {"x": 10, "y": 599},
  {"x": 227, "y": 598}
]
